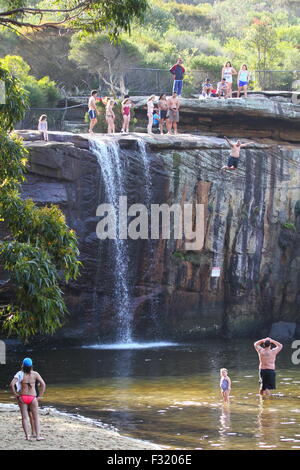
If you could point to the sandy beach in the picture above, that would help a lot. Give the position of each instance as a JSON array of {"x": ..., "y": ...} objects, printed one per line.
[{"x": 62, "y": 432}]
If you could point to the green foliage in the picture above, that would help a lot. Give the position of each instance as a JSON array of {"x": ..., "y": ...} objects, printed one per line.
[
  {"x": 101, "y": 125},
  {"x": 262, "y": 39},
  {"x": 109, "y": 60},
  {"x": 13, "y": 109},
  {"x": 289, "y": 226},
  {"x": 158, "y": 19},
  {"x": 41, "y": 92},
  {"x": 39, "y": 249},
  {"x": 205, "y": 34},
  {"x": 89, "y": 15},
  {"x": 211, "y": 64},
  {"x": 38, "y": 303}
]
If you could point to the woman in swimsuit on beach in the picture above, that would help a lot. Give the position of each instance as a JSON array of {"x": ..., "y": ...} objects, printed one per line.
[
  {"x": 126, "y": 106},
  {"x": 110, "y": 116},
  {"x": 227, "y": 72},
  {"x": 26, "y": 395}
]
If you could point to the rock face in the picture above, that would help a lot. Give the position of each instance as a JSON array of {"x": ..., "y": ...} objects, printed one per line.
[
  {"x": 283, "y": 331},
  {"x": 251, "y": 226},
  {"x": 258, "y": 116}
]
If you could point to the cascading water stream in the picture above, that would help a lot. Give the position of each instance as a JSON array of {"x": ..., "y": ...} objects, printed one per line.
[
  {"x": 147, "y": 173},
  {"x": 109, "y": 159},
  {"x": 113, "y": 175},
  {"x": 148, "y": 200}
]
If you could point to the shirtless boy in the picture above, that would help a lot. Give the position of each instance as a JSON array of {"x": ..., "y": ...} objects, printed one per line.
[
  {"x": 233, "y": 160},
  {"x": 267, "y": 358},
  {"x": 93, "y": 111},
  {"x": 173, "y": 113},
  {"x": 163, "y": 109}
]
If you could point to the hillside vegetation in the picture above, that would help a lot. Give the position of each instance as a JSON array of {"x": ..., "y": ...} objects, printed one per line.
[{"x": 263, "y": 34}]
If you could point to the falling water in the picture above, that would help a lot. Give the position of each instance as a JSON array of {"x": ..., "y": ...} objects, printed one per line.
[
  {"x": 147, "y": 172},
  {"x": 109, "y": 159},
  {"x": 148, "y": 194}
]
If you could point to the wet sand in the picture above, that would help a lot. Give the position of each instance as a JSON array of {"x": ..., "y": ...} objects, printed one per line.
[{"x": 62, "y": 432}]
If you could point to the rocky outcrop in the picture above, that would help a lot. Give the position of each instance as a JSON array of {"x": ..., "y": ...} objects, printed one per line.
[
  {"x": 252, "y": 233},
  {"x": 258, "y": 116}
]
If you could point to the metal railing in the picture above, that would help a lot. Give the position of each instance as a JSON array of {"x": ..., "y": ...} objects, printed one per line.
[{"x": 145, "y": 81}]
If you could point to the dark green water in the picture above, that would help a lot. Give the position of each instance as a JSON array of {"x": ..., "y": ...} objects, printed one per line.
[{"x": 170, "y": 395}]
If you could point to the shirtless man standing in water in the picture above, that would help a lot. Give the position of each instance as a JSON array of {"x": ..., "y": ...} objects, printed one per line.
[
  {"x": 233, "y": 160},
  {"x": 267, "y": 358}
]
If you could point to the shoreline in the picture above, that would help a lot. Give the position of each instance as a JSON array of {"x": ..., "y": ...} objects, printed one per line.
[{"x": 63, "y": 431}]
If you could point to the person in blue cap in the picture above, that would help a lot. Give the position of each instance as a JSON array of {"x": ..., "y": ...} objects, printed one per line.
[{"x": 23, "y": 387}]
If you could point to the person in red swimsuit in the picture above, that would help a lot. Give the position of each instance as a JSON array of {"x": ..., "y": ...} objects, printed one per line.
[
  {"x": 23, "y": 388},
  {"x": 126, "y": 107}
]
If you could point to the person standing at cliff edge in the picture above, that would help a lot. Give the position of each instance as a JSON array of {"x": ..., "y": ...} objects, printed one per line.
[
  {"x": 93, "y": 111},
  {"x": 267, "y": 359},
  {"x": 178, "y": 72}
]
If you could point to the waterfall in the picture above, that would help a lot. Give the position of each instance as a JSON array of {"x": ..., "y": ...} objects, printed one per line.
[
  {"x": 147, "y": 172},
  {"x": 109, "y": 159},
  {"x": 148, "y": 195}
]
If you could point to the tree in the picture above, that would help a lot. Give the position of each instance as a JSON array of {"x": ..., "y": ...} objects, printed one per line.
[
  {"x": 41, "y": 92},
  {"x": 37, "y": 250},
  {"x": 92, "y": 15},
  {"x": 110, "y": 61},
  {"x": 263, "y": 40}
]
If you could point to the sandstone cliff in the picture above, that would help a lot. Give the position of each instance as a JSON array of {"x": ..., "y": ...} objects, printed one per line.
[{"x": 252, "y": 232}]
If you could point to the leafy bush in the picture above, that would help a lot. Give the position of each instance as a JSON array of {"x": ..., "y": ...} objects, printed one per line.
[
  {"x": 289, "y": 226},
  {"x": 41, "y": 93},
  {"x": 39, "y": 250},
  {"x": 211, "y": 64}
]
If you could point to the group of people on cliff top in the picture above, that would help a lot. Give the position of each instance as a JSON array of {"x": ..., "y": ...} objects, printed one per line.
[
  {"x": 167, "y": 110},
  {"x": 28, "y": 387},
  {"x": 166, "y": 113}
]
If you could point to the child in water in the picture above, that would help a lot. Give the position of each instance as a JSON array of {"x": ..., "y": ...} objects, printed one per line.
[{"x": 225, "y": 385}]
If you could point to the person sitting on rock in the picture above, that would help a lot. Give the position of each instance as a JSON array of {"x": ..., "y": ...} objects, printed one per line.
[
  {"x": 222, "y": 88},
  {"x": 206, "y": 88},
  {"x": 233, "y": 160}
]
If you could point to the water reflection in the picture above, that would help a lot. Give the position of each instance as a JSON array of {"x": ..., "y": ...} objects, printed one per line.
[
  {"x": 268, "y": 424},
  {"x": 171, "y": 395}
]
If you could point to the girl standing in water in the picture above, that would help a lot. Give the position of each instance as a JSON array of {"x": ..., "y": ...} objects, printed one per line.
[
  {"x": 25, "y": 392},
  {"x": 225, "y": 385},
  {"x": 227, "y": 72}
]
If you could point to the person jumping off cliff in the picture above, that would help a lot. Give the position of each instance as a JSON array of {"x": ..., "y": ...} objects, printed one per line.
[{"x": 233, "y": 161}]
